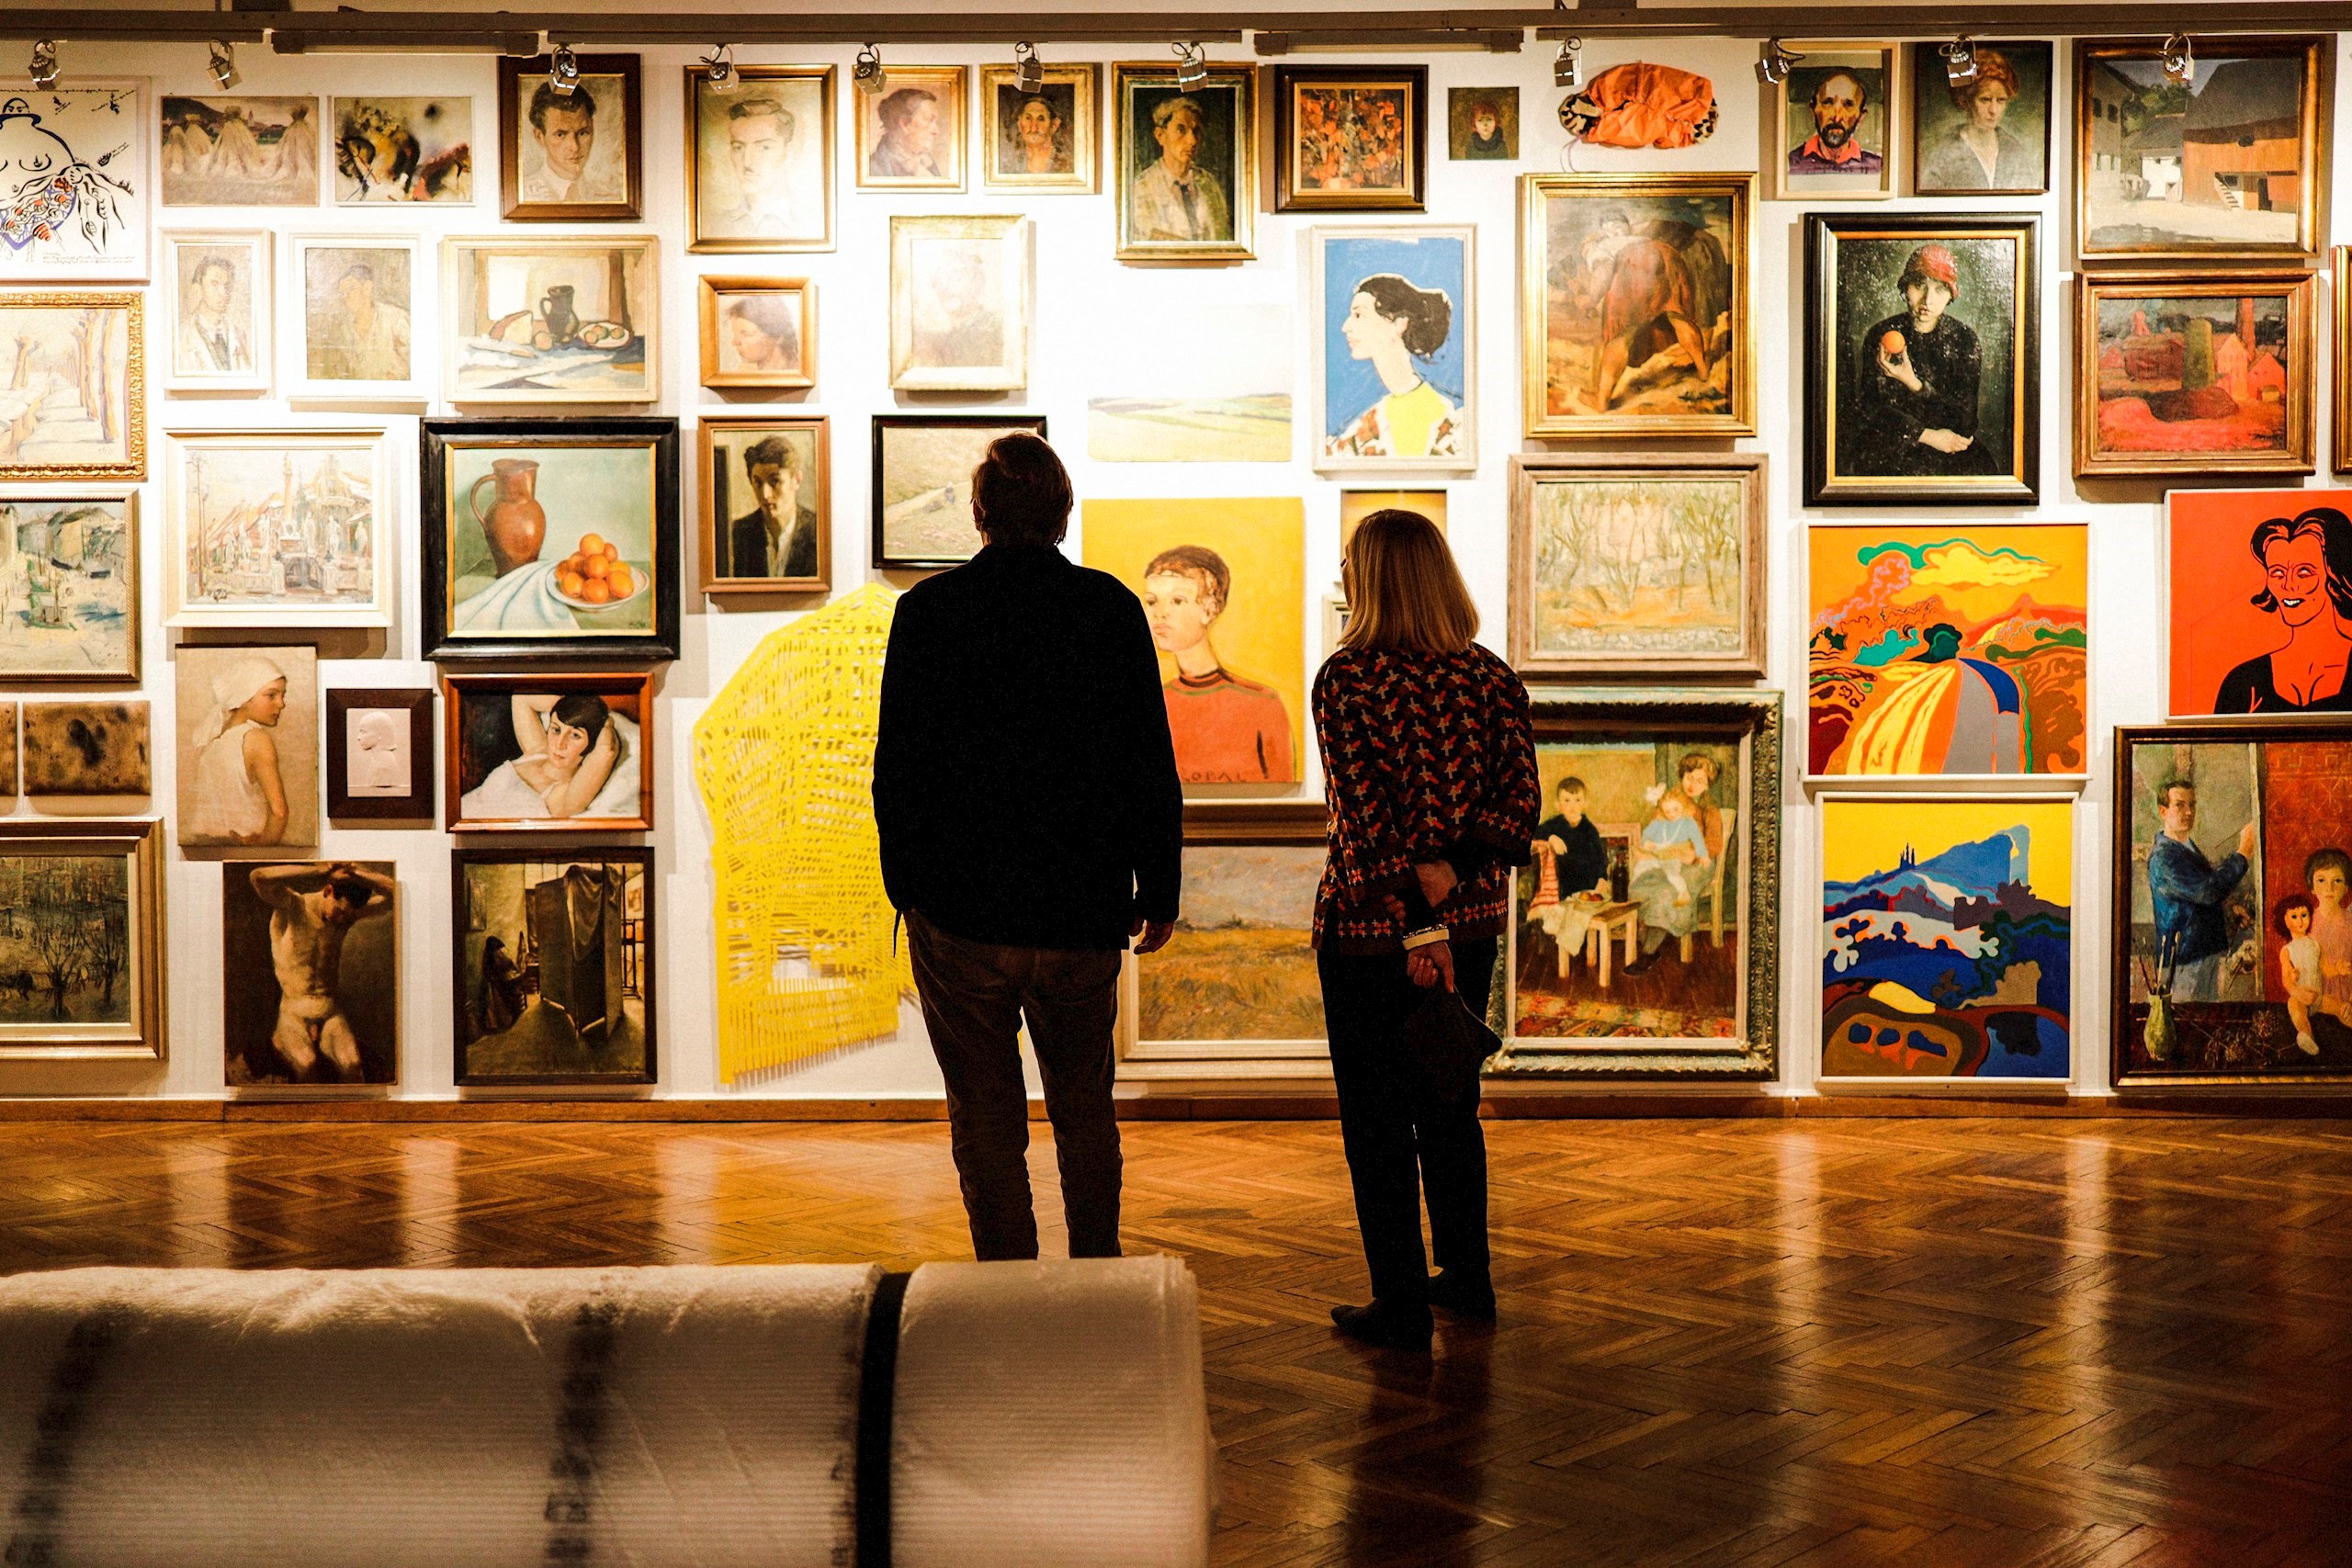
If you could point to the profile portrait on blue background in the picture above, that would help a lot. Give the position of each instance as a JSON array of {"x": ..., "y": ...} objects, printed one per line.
[{"x": 1394, "y": 311}]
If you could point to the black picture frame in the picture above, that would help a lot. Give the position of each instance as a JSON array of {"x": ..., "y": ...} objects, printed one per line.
[
  {"x": 437, "y": 440},
  {"x": 646, "y": 937},
  {"x": 417, "y": 702},
  {"x": 1828, "y": 398},
  {"x": 998, "y": 425}
]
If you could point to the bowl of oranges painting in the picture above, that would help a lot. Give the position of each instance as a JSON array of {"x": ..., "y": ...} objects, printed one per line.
[{"x": 593, "y": 577}]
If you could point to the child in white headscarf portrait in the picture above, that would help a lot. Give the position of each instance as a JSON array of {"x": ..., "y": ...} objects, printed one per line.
[{"x": 239, "y": 798}]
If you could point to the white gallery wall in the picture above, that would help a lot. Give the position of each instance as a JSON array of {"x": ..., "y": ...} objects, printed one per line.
[{"x": 1089, "y": 310}]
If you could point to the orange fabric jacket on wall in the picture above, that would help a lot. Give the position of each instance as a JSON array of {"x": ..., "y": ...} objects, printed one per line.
[{"x": 1641, "y": 105}]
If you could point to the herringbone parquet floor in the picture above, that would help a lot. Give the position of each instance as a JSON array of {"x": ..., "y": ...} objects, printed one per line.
[{"x": 2008, "y": 1343}]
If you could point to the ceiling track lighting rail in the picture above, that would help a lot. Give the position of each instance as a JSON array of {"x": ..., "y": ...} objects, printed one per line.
[{"x": 528, "y": 33}]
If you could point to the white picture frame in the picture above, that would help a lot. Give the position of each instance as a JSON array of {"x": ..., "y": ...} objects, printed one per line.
[
  {"x": 187, "y": 356},
  {"x": 494, "y": 308},
  {"x": 237, "y": 555},
  {"x": 330, "y": 276},
  {"x": 1416, "y": 254},
  {"x": 101, "y": 232},
  {"x": 938, "y": 333}
]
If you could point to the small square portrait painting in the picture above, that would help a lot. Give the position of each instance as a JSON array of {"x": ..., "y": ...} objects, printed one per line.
[
  {"x": 1040, "y": 140},
  {"x": 248, "y": 745},
  {"x": 358, "y": 309},
  {"x": 910, "y": 135},
  {"x": 759, "y": 159},
  {"x": 1837, "y": 123},
  {"x": 758, "y": 332},
  {"x": 85, "y": 749},
  {"x": 1481, "y": 124},
  {"x": 570, "y": 155},
  {"x": 218, "y": 290},
  {"x": 767, "y": 511},
  {"x": 1986, "y": 135},
  {"x": 395, "y": 149},
  {"x": 246, "y": 150},
  {"x": 310, "y": 973}
]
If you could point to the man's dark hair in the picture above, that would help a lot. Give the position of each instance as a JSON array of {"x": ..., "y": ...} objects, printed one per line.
[
  {"x": 544, "y": 97},
  {"x": 900, "y": 106},
  {"x": 771, "y": 449},
  {"x": 1021, "y": 492}
]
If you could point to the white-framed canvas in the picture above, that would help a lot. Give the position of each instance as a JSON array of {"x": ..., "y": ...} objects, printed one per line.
[
  {"x": 278, "y": 529},
  {"x": 534, "y": 318},
  {"x": 1396, "y": 358},
  {"x": 89, "y": 223},
  {"x": 218, "y": 309},
  {"x": 959, "y": 303},
  {"x": 357, "y": 312}
]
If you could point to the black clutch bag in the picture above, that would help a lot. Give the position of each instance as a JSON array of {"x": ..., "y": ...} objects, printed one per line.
[{"x": 1451, "y": 1043}]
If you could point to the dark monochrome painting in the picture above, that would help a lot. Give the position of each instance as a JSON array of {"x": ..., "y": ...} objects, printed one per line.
[{"x": 1923, "y": 354}]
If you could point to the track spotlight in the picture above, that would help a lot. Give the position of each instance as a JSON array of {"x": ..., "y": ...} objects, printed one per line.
[
  {"x": 2180, "y": 60},
  {"x": 44, "y": 66},
  {"x": 1772, "y": 65},
  {"x": 563, "y": 72},
  {"x": 719, "y": 66},
  {"x": 1567, "y": 66},
  {"x": 1191, "y": 69},
  {"x": 225, "y": 64},
  {"x": 867, "y": 73},
  {"x": 1959, "y": 60},
  {"x": 1028, "y": 74}
]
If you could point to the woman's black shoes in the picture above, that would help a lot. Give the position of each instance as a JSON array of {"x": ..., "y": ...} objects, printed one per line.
[
  {"x": 1463, "y": 1295},
  {"x": 1373, "y": 1326}
]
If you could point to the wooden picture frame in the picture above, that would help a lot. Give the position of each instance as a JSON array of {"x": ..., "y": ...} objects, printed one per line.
[
  {"x": 1867, "y": 440},
  {"x": 389, "y": 793},
  {"x": 1145, "y": 198},
  {"x": 914, "y": 531},
  {"x": 2223, "y": 1024},
  {"x": 603, "y": 462},
  {"x": 1356, "y": 352},
  {"x": 129, "y": 954},
  {"x": 888, "y": 159},
  {"x": 1906, "y": 883},
  {"x": 1319, "y": 103},
  {"x": 1598, "y": 398},
  {"x": 500, "y": 347},
  {"x": 2340, "y": 350},
  {"x": 220, "y": 573},
  {"x": 326, "y": 358},
  {"x": 1079, "y": 136},
  {"x": 500, "y": 801},
  {"x": 757, "y": 221},
  {"x": 1728, "y": 964},
  {"x": 1801, "y": 161},
  {"x": 102, "y": 532},
  {"x": 2133, "y": 181},
  {"x": 121, "y": 456},
  {"x": 725, "y": 445},
  {"x": 1285, "y": 841},
  {"x": 1730, "y": 642},
  {"x": 2024, "y": 71},
  {"x": 614, "y": 905},
  {"x": 2105, "y": 446},
  {"x": 180, "y": 360},
  {"x": 788, "y": 305},
  {"x": 615, "y": 187}
]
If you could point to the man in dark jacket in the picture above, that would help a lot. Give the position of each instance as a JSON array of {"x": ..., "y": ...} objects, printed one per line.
[{"x": 1031, "y": 823}]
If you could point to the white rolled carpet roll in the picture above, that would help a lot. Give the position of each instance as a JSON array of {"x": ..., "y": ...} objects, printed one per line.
[{"x": 1044, "y": 1414}]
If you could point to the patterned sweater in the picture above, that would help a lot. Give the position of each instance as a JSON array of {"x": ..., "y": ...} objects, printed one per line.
[{"x": 1426, "y": 756}]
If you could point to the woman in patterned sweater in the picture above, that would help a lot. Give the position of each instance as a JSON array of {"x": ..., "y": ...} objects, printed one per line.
[{"x": 1429, "y": 770}]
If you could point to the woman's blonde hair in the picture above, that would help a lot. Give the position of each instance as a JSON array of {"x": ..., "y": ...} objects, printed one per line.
[{"x": 1404, "y": 590}]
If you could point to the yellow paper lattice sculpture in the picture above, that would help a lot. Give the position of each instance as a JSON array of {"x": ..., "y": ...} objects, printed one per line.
[{"x": 784, "y": 757}]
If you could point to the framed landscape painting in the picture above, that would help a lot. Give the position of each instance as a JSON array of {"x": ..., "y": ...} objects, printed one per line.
[
  {"x": 1645, "y": 564},
  {"x": 1644, "y": 935},
  {"x": 1184, "y": 162},
  {"x": 551, "y": 538},
  {"x": 1634, "y": 311},
  {"x": 2209, "y": 372},
  {"x": 563, "y": 156},
  {"x": 922, "y": 483},
  {"x": 342, "y": 1025},
  {"x": 2259, "y": 602},
  {"x": 1349, "y": 139},
  {"x": 87, "y": 222},
  {"x": 217, "y": 311},
  {"x": 2225, "y": 165},
  {"x": 1988, "y": 135},
  {"x": 1832, "y": 123},
  {"x": 2232, "y": 904},
  {"x": 1923, "y": 359},
  {"x": 767, "y": 504},
  {"x": 74, "y": 570},
  {"x": 379, "y": 748},
  {"x": 1397, "y": 367},
  {"x": 1947, "y": 939},
  {"x": 1948, "y": 652},
  {"x": 86, "y": 897},
  {"x": 571, "y": 753},
  {"x": 1235, "y": 993},
  {"x": 278, "y": 529},
  {"x": 552, "y": 968},
  {"x": 72, "y": 386},
  {"x": 551, "y": 321},
  {"x": 760, "y": 159}
]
